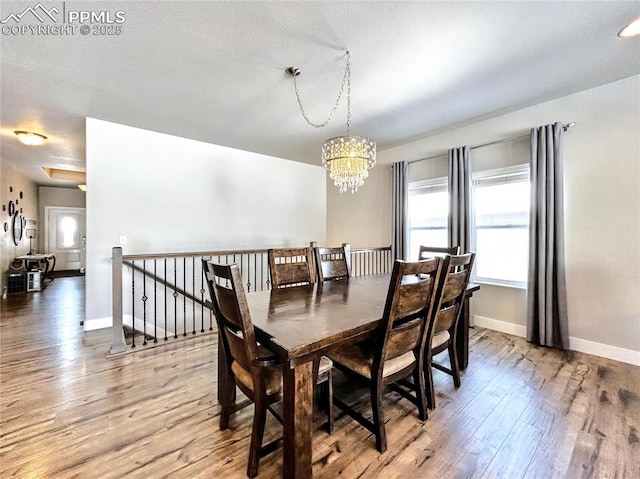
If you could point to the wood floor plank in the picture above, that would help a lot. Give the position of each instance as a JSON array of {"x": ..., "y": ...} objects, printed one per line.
[
  {"x": 68, "y": 411},
  {"x": 514, "y": 455}
]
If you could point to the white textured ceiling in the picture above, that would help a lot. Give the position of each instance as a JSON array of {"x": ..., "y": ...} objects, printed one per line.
[{"x": 215, "y": 71}]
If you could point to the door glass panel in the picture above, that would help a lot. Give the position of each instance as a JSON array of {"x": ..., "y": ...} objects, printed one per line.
[{"x": 68, "y": 232}]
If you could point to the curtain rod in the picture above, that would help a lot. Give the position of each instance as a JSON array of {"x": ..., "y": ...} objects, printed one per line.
[{"x": 565, "y": 127}]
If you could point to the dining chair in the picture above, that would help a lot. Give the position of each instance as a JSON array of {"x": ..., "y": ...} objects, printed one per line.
[
  {"x": 333, "y": 263},
  {"x": 396, "y": 350},
  {"x": 292, "y": 267},
  {"x": 456, "y": 272},
  {"x": 256, "y": 370},
  {"x": 289, "y": 266},
  {"x": 431, "y": 251}
]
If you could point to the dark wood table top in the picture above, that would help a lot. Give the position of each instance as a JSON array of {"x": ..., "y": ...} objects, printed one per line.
[{"x": 304, "y": 321}]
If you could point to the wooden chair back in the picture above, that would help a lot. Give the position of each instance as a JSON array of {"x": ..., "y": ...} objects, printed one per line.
[
  {"x": 232, "y": 315},
  {"x": 408, "y": 309},
  {"x": 430, "y": 251},
  {"x": 333, "y": 263},
  {"x": 289, "y": 266},
  {"x": 397, "y": 348},
  {"x": 442, "y": 333},
  {"x": 456, "y": 271}
]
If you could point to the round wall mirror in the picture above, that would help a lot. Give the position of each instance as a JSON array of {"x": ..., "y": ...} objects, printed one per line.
[{"x": 18, "y": 228}]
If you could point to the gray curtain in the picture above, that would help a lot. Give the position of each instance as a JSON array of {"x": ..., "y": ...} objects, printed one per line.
[
  {"x": 547, "y": 322},
  {"x": 400, "y": 205},
  {"x": 459, "y": 200}
]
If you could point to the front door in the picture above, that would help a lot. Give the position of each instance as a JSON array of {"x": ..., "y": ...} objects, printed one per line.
[{"x": 66, "y": 237}]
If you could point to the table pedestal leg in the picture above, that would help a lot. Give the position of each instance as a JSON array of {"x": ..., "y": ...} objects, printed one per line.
[{"x": 297, "y": 420}]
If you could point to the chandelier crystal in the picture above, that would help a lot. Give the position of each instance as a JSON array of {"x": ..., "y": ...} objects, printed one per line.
[{"x": 347, "y": 158}]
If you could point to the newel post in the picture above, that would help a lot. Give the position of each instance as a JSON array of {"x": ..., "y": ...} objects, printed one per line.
[
  {"x": 312, "y": 258},
  {"x": 118, "y": 345},
  {"x": 347, "y": 256}
]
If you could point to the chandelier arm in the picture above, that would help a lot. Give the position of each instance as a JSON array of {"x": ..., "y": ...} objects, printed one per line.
[{"x": 345, "y": 79}]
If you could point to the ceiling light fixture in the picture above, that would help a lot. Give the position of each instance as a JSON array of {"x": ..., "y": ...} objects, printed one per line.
[
  {"x": 30, "y": 138},
  {"x": 348, "y": 158},
  {"x": 630, "y": 30}
]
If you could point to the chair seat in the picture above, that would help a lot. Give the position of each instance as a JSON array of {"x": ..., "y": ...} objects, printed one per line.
[
  {"x": 440, "y": 339},
  {"x": 359, "y": 358},
  {"x": 273, "y": 374},
  {"x": 272, "y": 377}
]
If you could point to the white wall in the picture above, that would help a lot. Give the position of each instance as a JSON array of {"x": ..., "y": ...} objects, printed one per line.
[
  {"x": 9, "y": 177},
  {"x": 170, "y": 194},
  {"x": 602, "y": 212}
]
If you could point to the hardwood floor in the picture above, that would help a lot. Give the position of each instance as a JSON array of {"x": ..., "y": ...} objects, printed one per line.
[{"x": 522, "y": 411}]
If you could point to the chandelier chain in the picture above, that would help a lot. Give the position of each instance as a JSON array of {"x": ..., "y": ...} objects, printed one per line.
[
  {"x": 346, "y": 79},
  {"x": 348, "y": 75}
]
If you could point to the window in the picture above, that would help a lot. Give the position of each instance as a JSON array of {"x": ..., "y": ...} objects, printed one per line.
[
  {"x": 501, "y": 240},
  {"x": 428, "y": 213}
]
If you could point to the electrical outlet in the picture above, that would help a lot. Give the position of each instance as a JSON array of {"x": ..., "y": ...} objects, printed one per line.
[{"x": 123, "y": 240}]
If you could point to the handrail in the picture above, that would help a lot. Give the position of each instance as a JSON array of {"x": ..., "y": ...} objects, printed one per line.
[
  {"x": 192, "y": 253},
  {"x": 144, "y": 256}
]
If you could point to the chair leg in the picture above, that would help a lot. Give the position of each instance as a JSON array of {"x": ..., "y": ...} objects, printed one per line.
[
  {"x": 421, "y": 399},
  {"x": 224, "y": 419},
  {"x": 226, "y": 386},
  {"x": 259, "y": 420},
  {"x": 328, "y": 401},
  {"x": 453, "y": 359},
  {"x": 430, "y": 389},
  {"x": 227, "y": 400},
  {"x": 378, "y": 416}
]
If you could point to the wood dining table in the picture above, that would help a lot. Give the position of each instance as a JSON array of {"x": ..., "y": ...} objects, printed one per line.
[{"x": 302, "y": 323}]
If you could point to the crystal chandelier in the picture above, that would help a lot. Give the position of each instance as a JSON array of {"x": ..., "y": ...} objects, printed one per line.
[{"x": 348, "y": 158}]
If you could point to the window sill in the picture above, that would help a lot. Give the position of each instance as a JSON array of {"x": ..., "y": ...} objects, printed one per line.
[{"x": 505, "y": 284}]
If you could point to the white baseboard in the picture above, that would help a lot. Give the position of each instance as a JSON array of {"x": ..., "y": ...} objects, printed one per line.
[
  {"x": 502, "y": 326},
  {"x": 101, "y": 323},
  {"x": 605, "y": 350},
  {"x": 97, "y": 323},
  {"x": 106, "y": 322},
  {"x": 575, "y": 344}
]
